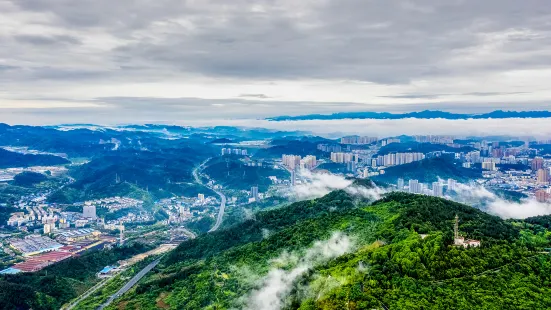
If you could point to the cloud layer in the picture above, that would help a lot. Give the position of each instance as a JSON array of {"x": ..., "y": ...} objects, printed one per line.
[
  {"x": 253, "y": 57},
  {"x": 496, "y": 205},
  {"x": 315, "y": 185}
]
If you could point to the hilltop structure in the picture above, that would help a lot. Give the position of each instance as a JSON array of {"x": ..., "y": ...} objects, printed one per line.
[{"x": 461, "y": 241}]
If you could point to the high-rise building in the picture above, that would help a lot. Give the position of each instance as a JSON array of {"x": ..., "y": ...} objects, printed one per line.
[
  {"x": 415, "y": 187},
  {"x": 487, "y": 165},
  {"x": 201, "y": 197},
  {"x": 452, "y": 184},
  {"x": 400, "y": 184},
  {"x": 309, "y": 162},
  {"x": 537, "y": 163},
  {"x": 351, "y": 166},
  {"x": 543, "y": 196},
  {"x": 543, "y": 176},
  {"x": 291, "y": 161},
  {"x": 254, "y": 193},
  {"x": 89, "y": 211},
  {"x": 437, "y": 189}
]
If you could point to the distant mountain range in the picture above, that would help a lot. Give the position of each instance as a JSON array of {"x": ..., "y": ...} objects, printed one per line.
[{"x": 427, "y": 114}]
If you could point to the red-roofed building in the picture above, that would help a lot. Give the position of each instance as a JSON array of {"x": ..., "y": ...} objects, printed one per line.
[{"x": 39, "y": 262}]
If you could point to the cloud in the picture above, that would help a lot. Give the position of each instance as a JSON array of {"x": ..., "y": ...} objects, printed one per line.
[
  {"x": 47, "y": 40},
  {"x": 277, "y": 285},
  {"x": 493, "y": 204},
  {"x": 468, "y": 53},
  {"x": 315, "y": 185},
  {"x": 526, "y": 208},
  {"x": 257, "y": 96}
]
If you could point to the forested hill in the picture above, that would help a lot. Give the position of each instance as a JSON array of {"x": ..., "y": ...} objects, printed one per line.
[
  {"x": 10, "y": 159},
  {"x": 345, "y": 252},
  {"x": 430, "y": 170}
]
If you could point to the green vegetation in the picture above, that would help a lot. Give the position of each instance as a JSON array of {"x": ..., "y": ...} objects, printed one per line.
[
  {"x": 112, "y": 286},
  {"x": 295, "y": 147},
  {"x": 429, "y": 170},
  {"x": 53, "y": 286},
  {"x": 233, "y": 173},
  {"x": 201, "y": 225},
  {"x": 10, "y": 159},
  {"x": 333, "y": 167},
  {"x": 141, "y": 175},
  {"x": 28, "y": 178},
  {"x": 5, "y": 214},
  {"x": 390, "y": 263}
]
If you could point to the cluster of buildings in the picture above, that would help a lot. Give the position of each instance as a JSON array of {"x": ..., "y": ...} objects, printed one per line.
[
  {"x": 39, "y": 251},
  {"x": 436, "y": 189},
  {"x": 386, "y": 142},
  {"x": 343, "y": 158},
  {"x": 230, "y": 151},
  {"x": 439, "y": 139},
  {"x": 114, "y": 203},
  {"x": 295, "y": 162},
  {"x": 395, "y": 159},
  {"x": 358, "y": 140}
]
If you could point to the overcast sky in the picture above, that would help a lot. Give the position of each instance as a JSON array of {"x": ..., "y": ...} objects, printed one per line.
[{"x": 114, "y": 61}]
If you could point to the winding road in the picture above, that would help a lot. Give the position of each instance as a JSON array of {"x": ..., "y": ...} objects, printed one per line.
[{"x": 222, "y": 196}]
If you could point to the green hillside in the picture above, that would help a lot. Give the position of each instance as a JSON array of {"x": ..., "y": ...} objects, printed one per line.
[
  {"x": 232, "y": 173},
  {"x": 137, "y": 174},
  {"x": 295, "y": 253},
  {"x": 10, "y": 159},
  {"x": 429, "y": 170},
  {"x": 295, "y": 147},
  {"x": 28, "y": 178}
]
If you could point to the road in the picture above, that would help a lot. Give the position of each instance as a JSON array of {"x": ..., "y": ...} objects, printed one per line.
[
  {"x": 130, "y": 283},
  {"x": 222, "y": 209}
]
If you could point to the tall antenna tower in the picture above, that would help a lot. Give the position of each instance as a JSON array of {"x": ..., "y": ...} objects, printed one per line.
[{"x": 456, "y": 228}]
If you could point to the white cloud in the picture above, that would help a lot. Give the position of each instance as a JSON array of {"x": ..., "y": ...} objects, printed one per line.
[
  {"x": 496, "y": 205},
  {"x": 319, "y": 53},
  {"x": 277, "y": 285},
  {"x": 317, "y": 184}
]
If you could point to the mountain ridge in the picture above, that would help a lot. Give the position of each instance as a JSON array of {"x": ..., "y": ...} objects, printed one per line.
[
  {"x": 426, "y": 114},
  {"x": 403, "y": 258}
]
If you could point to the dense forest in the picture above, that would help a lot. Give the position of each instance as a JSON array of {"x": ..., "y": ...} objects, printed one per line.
[
  {"x": 138, "y": 174},
  {"x": 29, "y": 178},
  {"x": 429, "y": 170},
  {"x": 400, "y": 255},
  {"x": 231, "y": 172},
  {"x": 10, "y": 159}
]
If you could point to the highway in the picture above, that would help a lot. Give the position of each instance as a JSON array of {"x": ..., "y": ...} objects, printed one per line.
[
  {"x": 130, "y": 283},
  {"x": 221, "y": 211}
]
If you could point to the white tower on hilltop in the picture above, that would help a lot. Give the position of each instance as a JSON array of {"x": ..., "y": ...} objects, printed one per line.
[{"x": 456, "y": 228}]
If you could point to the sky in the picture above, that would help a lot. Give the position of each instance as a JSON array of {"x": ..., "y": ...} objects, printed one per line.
[{"x": 125, "y": 61}]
